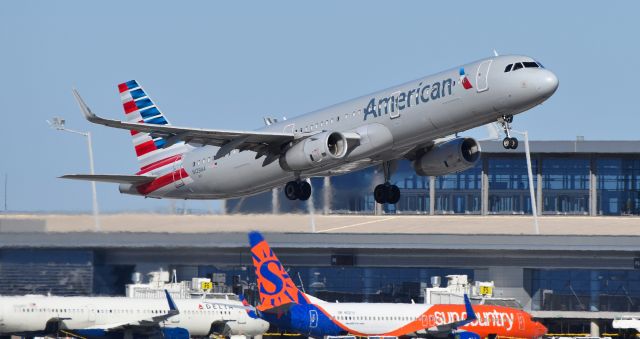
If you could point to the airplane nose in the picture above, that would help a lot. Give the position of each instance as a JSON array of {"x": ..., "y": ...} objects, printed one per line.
[{"x": 547, "y": 83}]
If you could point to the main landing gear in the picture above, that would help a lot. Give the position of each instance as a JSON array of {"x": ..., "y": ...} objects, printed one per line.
[
  {"x": 386, "y": 193},
  {"x": 508, "y": 142},
  {"x": 297, "y": 190}
]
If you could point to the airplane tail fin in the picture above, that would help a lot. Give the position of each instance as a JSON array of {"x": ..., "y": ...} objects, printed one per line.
[
  {"x": 151, "y": 151},
  {"x": 276, "y": 288},
  {"x": 251, "y": 311}
]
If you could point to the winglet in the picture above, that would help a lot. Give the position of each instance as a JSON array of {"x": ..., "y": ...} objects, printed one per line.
[
  {"x": 251, "y": 311},
  {"x": 84, "y": 108},
  {"x": 471, "y": 315},
  {"x": 172, "y": 305}
]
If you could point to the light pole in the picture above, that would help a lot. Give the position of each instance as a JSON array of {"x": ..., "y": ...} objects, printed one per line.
[
  {"x": 58, "y": 124},
  {"x": 527, "y": 152}
]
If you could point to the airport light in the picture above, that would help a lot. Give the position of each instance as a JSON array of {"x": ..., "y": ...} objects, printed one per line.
[
  {"x": 527, "y": 152},
  {"x": 58, "y": 124}
]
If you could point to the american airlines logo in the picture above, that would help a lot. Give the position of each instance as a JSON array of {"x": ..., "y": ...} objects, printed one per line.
[
  {"x": 485, "y": 319},
  {"x": 400, "y": 100}
]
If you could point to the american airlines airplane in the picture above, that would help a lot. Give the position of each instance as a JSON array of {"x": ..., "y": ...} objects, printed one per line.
[
  {"x": 119, "y": 317},
  {"x": 288, "y": 308},
  {"x": 406, "y": 121}
]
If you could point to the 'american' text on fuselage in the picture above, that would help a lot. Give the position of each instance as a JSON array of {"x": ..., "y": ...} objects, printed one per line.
[{"x": 401, "y": 100}]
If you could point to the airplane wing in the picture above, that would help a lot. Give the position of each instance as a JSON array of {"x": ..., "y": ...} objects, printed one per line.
[
  {"x": 112, "y": 178},
  {"x": 261, "y": 142}
]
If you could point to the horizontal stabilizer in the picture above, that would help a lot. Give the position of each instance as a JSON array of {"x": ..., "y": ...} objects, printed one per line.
[{"x": 112, "y": 178}]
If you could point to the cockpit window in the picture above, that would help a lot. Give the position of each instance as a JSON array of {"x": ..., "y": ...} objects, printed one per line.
[
  {"x": 508, "y": 68},
  {"x": 517, "y": 66},
  {"x": 530, "y": 64},
  {"x": 539, "y": 64}
]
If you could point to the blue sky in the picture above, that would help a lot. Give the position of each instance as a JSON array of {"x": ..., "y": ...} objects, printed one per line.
[{"x": 228, "y": 64}]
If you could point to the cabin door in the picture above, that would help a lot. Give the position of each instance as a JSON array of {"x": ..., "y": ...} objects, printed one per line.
[
  {"x": 482, "y": 76},
  {"x": 520, "y": 322}
]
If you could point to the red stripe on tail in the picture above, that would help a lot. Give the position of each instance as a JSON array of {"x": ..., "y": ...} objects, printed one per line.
[
  {"x": 129, "y": 106},
  {"x": 145, "y": 148}
]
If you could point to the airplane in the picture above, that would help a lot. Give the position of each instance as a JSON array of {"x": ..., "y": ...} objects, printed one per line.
[
  {"x": 409, "y": 121},
  {"x": 288, "y": 308},
  {"x": 120, "y": 317}
]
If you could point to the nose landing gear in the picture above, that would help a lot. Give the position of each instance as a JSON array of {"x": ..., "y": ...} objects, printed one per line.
[
  {"x": 297, "y": 190},
  {"x": 508, "y": 142},
  {"x": 386, "y": 193}
]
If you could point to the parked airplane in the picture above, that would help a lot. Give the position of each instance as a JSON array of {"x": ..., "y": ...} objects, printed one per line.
[
  {"x": 405, "y": 121},
  {"x": 285, "y": 306},
  {"x": 119, "y": 317}
]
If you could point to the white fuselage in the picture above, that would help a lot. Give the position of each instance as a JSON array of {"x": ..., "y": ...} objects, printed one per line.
[
  {"x": 31, "y": 313},
  {"x": 390, "y": 123}
]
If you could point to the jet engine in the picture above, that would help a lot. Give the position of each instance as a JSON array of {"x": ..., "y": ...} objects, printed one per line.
[
  {"x": 312, "y": 151},
  {"x": 448, "y": 157}
]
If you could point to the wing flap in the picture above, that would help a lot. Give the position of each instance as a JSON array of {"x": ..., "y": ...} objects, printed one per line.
[{"x": 112, "y": 178}]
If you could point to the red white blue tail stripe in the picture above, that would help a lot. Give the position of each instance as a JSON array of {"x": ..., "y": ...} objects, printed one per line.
[{"x": 154, "y": 158}]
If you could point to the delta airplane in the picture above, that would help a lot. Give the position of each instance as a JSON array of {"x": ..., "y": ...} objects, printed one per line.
[
  {"x": 283, "y": 305},
  {"x": 119, "y": 317},
  {"x": 408, "y": 121}
]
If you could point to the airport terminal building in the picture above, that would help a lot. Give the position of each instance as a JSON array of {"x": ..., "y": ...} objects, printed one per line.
[
  {"x": 577, "y": 275},
  {"x": 578, "y": 178}
]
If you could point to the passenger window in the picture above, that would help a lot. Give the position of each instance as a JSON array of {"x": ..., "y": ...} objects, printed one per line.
[
  {"x": 530, "y": 64},
  {"x": 517, "y": 66},
  {"x": 508, "y": 68}
]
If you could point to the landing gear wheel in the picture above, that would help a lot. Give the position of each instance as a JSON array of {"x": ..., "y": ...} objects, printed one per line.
[
  {"x": 304, "y": 191},
  {"x": 292, "y": 190},
  {"x": 393, "y": 194},
  {"x": 514, "y": 143},
  {"x": 380, "y": 193},
  {"x": 386, "y": 194},
  {"x": 506, "y": 143}
]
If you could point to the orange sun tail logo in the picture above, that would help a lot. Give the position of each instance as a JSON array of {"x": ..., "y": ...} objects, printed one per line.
[{"x": 274, "y": 284}]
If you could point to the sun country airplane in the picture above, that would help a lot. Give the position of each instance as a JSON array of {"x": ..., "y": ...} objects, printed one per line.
[
  {"x": 288, "y": 308},
  {"x": 120, "y": 317},
  {"x": 408, "y": 121}
]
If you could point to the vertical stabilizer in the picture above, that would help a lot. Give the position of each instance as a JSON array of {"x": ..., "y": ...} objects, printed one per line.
[
  {"x": 274, "y": 284},
  {"x": 152, "y": 152}
]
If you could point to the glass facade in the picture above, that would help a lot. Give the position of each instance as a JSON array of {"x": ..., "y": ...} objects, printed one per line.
[
  {"x": 585, "y": 290},
  {"x": 565, "y": 188},
  {"x": 565, "y": 185},
  {"x": 618, "y": 186},
  {"x": 509, "y": 185},
  {"x": 352, "y": 283},
  {"x": 459, "y": 193}
]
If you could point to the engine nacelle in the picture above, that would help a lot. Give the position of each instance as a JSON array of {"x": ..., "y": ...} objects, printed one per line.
[
  {"x": 314, "y": 150},
  {"x": 449, "y": 157}
]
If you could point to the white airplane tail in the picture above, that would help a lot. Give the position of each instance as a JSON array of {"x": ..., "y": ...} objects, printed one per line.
[{"x": 152, "y": 152}]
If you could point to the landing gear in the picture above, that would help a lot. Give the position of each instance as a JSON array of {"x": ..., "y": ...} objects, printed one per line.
[
  {"x": 386, "y": 193},
  {"x": 297, "y": 190},
  {"x": 509, "y": 142}
]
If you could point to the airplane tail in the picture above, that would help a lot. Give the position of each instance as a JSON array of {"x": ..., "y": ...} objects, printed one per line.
[
  {"x": 251, "y": 311},
  {"x": 276, "y": 288},
  {"x": 152, "y": 152}
]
